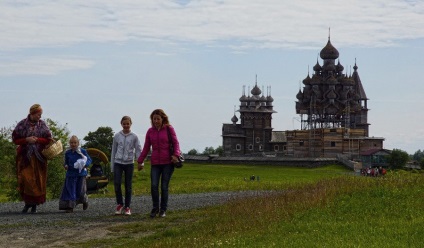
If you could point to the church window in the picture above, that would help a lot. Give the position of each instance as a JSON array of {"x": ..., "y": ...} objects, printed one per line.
[
  {"x": 238, "y": 147},
  {"x": 333, "y": 144},
  {"x": 258, "y": 139},
  {"x": 276, "y": 148},
  {"x": 261, "y": 148},
  {"x": 301, "y": 143},
  {"x": 250, "y": 147}
]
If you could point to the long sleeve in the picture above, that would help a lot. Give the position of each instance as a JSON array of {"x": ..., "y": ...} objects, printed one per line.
[
  {"x": 146, "y": 148},
  {"x": 89, "y": 160},
  {"x": 175, "y": 141},
  {"x": 20, "y": 141},
  {"x": 112, "y": 156},
  {"x": 43, "y": 141},
  {"x": 137, "y": 147}
]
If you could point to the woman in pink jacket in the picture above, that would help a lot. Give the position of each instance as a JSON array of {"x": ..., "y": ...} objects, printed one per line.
[{"x": 161, "y": 159}]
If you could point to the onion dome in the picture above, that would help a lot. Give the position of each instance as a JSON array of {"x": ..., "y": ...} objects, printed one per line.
[
  {"x": 269, "y": 100},
  {"x": 243, "y": 98},
  {"x": 299, "y": 95},
  {"x": 317, "y": 67},
  {"x": 329, "y": 67},
  {"x": 339, "y": 67},
  {"x": 329, "y": 51},
  {"x": 234, "y": 119},
  {"x": 254, "y": 98},
  {"x": 315, "y": 79},
  {"x": 307, "y": 80},
  {"x": 256, "y": 91},
  {"x": 332, "y": 80}
]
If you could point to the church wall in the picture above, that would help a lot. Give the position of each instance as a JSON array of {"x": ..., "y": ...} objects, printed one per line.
[{"x": 329, "y": 142}]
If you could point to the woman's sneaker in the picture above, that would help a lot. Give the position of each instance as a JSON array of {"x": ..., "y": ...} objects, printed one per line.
[
  {"x": 154, "y": 212},
  {"x": 119, "y": 209},
  {"x": 127, "y": 211},
  {"x": 162, "y": 213}
]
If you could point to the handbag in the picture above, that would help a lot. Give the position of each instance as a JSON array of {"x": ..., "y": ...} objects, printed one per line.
[
  {"x": 53, "y": 149},
  {"x": 178, "y": 164}
]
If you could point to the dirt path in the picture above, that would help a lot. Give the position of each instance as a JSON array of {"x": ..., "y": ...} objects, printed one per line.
[{"x": 53, "y": 228}]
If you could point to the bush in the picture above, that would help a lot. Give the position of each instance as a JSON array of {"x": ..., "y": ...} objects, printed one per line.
[{"x": 55, "y": 177}]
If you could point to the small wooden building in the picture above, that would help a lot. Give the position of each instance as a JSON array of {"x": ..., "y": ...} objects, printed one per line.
[{"x": 375, "y": 157}]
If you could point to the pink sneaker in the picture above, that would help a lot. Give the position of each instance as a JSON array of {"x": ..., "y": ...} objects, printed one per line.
[
  {"x": 127, "y": 211},
  {"x": 119, "y": 209}
]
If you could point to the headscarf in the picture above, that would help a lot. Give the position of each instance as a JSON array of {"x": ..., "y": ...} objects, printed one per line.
[
  {"x": 80, "y": 163},
  {"x": 36, "y": 108}
]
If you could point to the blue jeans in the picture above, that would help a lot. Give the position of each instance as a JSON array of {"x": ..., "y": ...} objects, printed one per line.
[
  {"x": 118, "y": 169},
  {"x": 156, "y": 172}
]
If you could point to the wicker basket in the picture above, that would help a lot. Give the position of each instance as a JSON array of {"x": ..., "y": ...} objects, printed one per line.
[{"x": 53, "y": 149}]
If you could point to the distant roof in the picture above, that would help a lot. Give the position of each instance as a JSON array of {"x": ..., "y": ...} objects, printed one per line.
[{"x": 374, "y": 151}]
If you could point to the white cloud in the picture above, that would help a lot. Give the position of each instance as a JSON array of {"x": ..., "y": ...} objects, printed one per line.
[
  {"x": 274, "y": 23},
  {"x": 42, "y": 66}
]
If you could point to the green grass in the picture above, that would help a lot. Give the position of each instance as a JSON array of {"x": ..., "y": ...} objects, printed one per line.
[
  {"x": 322, "y": 207},
  {"x": 341, "y": 211},
  {"x": 196, "y": 178}
]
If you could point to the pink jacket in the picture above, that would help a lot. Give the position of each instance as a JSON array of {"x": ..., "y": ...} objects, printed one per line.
[{"x": 159, "y": 142}]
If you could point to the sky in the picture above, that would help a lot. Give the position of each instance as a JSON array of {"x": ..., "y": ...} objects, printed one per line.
[{"x": 88, "y": 63}]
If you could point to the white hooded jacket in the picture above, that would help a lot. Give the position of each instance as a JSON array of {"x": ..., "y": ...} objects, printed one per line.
[{"x": 125, "y": 148}]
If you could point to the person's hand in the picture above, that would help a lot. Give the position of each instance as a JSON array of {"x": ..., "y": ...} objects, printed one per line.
[
  {"x": 31, "y": 139},
  {"x": 140, "y": 166},
  {"x": 66, "y": 167},
  {"x": 174, "y": 159}
]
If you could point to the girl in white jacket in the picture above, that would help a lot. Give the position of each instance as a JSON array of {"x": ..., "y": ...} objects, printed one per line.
[{"x": 125, "y": 147}]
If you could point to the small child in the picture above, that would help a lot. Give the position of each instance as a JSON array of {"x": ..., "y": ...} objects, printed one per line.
[
  {"x": 125, "y": 148},
  {"x": 74, "y": 190}
]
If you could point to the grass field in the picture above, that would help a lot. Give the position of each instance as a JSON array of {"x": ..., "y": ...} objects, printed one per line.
[
  {"x": 196, "y": 178},
  {"x": 325, "y": 207}
]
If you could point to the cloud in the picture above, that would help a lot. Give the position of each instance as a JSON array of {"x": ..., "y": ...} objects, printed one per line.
[
  {"x": 42, "y": 66},
  {"x": 246, "y": 23}
]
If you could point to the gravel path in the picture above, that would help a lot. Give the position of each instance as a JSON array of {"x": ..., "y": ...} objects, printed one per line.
[{"x": 47, "y": 227}]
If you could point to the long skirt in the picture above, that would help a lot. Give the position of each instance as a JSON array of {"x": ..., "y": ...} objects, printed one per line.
[
  {"x": 74, "y": 192},
  {"x": 32, "y": 179}
]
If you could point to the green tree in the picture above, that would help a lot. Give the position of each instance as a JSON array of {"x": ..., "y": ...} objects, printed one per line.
[
  {"x": 418, "y": 155},
  {"x": 192, "y": 152},
  {"x": 55, "y": 172},
  {"x": 101, "y": 139},
  {"x": 208, "y": 151},
  {"x": 422, "y": 163},
  {"x": 7, "y": 158},
  {"x": 398, "y": 158},
  {"x": 59, "y": 131},
  {"x": 219, "y": 150}
]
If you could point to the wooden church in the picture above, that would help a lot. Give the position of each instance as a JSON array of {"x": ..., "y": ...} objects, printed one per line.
[{"x": 332, "y": 107}]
